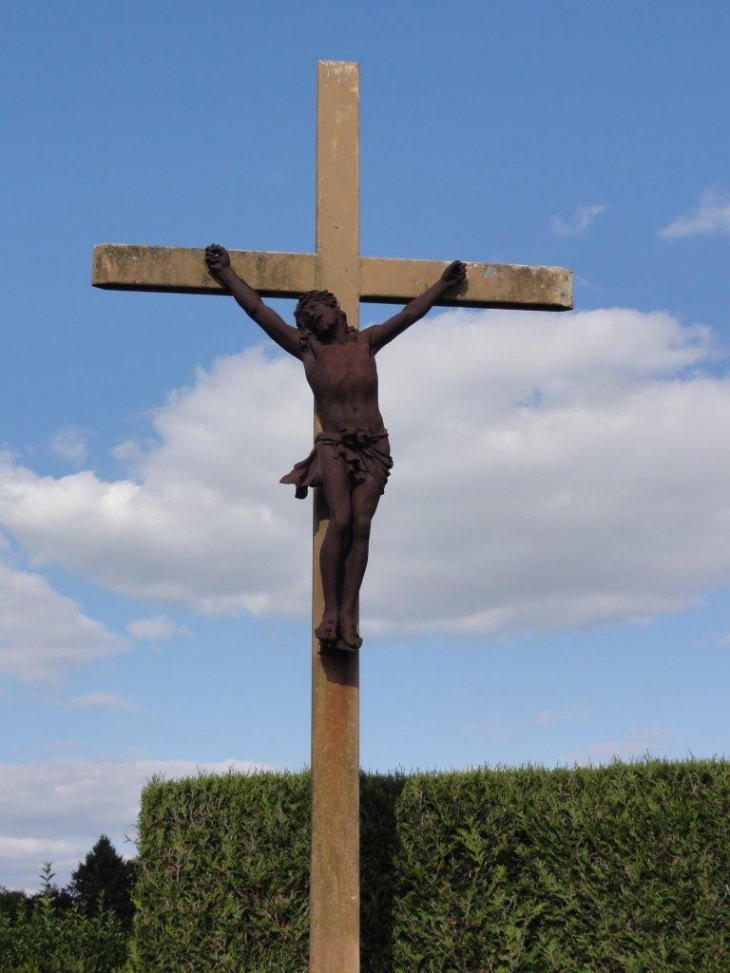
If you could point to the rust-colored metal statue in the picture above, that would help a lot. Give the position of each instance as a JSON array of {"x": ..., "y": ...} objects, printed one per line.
[{"x": 351, "y": 457}]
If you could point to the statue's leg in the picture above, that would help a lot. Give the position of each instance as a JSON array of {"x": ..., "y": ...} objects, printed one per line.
[
  {"x": 336, "y": 542},
  {"x": 365, "y": 499}
]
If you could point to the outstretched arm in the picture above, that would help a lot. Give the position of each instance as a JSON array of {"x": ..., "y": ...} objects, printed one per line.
[
  {"x": 219, "y": 263},
  {"x": 381, "y": 334}
]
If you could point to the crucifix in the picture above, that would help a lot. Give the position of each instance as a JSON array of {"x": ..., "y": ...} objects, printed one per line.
[{"x": 336, "y": 265}]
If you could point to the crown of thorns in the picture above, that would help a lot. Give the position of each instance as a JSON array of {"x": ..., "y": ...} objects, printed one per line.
[{"x": 302, "y": 314}]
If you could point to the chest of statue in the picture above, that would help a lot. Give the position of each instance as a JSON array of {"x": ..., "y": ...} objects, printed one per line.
[{"x": 341, "y": 370}]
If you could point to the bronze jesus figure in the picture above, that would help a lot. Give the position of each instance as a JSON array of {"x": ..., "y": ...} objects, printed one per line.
[{"x": 351, "y": 457}]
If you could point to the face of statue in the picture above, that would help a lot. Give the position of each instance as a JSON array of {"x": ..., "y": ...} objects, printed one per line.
[{"x": 324, "y": 318}]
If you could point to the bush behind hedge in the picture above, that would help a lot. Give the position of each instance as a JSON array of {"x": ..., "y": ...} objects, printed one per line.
[
  {"x": 45, "y": 939},
  {"x": 620, "y": 868}
]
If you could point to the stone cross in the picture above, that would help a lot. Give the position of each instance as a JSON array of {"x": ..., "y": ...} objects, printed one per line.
[{"x": 336, "y": 265}]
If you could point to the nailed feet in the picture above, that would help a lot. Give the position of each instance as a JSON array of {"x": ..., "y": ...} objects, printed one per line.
[
  {"x": 338, "y": 633},
  {"x": 349, "y": 633},
  {"x": 326, "y": 631}
]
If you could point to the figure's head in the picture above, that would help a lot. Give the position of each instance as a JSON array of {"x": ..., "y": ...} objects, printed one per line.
[{"x": 319, "y": 313}]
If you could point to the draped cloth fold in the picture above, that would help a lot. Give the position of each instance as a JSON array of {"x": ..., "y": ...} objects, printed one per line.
[{"x": 364, "y": 454}]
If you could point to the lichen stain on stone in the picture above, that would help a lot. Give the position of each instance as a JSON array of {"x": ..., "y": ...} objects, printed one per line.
[{"x": 281, "y": 273}]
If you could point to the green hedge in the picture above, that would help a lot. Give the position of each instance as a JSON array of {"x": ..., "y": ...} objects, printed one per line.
[
  {"x": 223, "y": 879},
  {"x": 621, "y": 868}
]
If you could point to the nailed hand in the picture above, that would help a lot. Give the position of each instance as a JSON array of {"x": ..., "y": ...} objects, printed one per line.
[
  {"x": 217, "y": 257},
  {"x": 455, "y": 273}
]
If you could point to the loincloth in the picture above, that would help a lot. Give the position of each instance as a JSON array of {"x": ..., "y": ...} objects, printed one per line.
[{"x": 361, "y": 452}]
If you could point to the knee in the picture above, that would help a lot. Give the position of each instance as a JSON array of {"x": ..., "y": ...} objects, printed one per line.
[{"x": 340, "y": 520}]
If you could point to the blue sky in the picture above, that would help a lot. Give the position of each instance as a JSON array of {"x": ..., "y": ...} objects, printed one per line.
[{"x": 554, "y": 591}]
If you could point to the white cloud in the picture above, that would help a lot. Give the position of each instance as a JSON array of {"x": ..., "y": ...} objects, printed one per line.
[
  {"x": 71, "y": 444},
  {"x": 43, "y": 634},
  {"x": 581, "y": 219},
  {"x": 710, "y": 216},
  {"x": 99, "y": 700},
  {"x": 551, "y": 471},
  {"x": 158, "y": 628},
  {"x": 206, "y": 524},
  {"x": 636, "y": 742},
  {"x": 40, "y": 849},
  {"x": 56, "y": 810}
]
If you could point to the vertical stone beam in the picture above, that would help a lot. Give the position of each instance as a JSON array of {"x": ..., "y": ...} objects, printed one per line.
[{"x": 335, "y": 873}]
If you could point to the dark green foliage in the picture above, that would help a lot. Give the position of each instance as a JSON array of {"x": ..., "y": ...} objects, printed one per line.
[
  {"x": 379, "y": 860},
  {"x": 223, "y": 880},
  {"x": 46, "y": 939},
  {"x": 104, "y": 881},
  {"x": 622, "y": 868},
  {"x": 61, "y": 899},
  {"x": 12, "y": 904},
  {"x": 618, "y": 868}
]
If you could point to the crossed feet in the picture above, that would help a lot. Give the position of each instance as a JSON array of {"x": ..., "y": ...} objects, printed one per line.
[{"x": 338, "y": 631}]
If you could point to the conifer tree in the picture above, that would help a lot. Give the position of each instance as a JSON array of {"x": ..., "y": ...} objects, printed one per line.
[{"x": 104, "y": 880}]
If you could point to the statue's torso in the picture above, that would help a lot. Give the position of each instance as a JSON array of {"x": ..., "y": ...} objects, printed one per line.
[{"x": 344, "y": 380}]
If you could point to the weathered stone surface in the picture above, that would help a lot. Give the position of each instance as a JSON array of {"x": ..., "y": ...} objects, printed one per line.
[
  {"x": 334, "y": 901},
  {"x": 118, "y": 266},
  {"x": 487, "y": 285}
]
